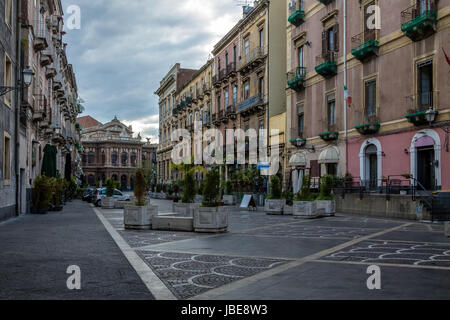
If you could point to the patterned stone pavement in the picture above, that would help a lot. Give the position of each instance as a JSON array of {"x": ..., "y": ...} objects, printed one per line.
[
  {"x": 137, "y": 239},
  {"x": 418, "y": 254},
  {"x": 188, "y": 275}
]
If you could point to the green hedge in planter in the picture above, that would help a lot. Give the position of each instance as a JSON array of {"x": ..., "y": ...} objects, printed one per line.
[
  {"x": 305, "y": 192},
  {"x": 275, "y": 188},
  {"x": 326, "y": 188},
  {"x": 189, "y": 188},
  {"x": 211, "y": 191},
  {"x": 42, "y": 193}
]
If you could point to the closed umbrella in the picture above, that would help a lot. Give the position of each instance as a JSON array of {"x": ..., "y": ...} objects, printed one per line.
[{"x": 49, "y": 161}]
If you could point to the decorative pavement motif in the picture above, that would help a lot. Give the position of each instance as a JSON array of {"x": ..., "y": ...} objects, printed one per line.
[
  {"x": 308, "y": 231},
  {"x": 188, "y": 275},
  {"x": 418, "y": 254},
  {"x": 144, "y": 238}
]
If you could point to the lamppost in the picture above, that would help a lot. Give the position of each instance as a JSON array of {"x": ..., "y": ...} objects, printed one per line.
[{"x": 27, "y": 77}]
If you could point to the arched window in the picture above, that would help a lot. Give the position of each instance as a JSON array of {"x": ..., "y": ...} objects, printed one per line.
[
  {"x": 114, "y": 158},
  {"x": 84, "y": 158},
  {"x": 133, "y": 159},
  {"x": 124, "y": 158},
  {"x": 91, "y": 157}
]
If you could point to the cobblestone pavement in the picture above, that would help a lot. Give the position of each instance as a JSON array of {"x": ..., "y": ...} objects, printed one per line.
[
  {"x": 281, "y": 257},
  {"x": 188, "y": 275}
]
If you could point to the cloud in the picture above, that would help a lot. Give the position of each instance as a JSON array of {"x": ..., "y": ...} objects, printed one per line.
[{"x": 124, "y": 49}]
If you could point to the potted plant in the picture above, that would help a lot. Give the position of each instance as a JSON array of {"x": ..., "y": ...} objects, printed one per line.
[
  {"x": 274, "y": 202},
  {"x": 139, "y": 216},
  {"x": 304, "y": 204},
  {"x": 187, "y": 206},
  {"x": 288, "y": 208},
  {"x": 210, "y": 217},
  {"x": 109, "y": 202},
  {"x": 325, "y": 203},
  {"x": 58, "y": 188},
  {"x": 41, "y": 195},
  {"x": 229, "y": 198},
  {"x": 199, "y": 195}
]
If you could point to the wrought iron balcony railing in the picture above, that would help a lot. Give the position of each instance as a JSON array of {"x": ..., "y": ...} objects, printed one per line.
[
  {"x": 296, "y": 78},
  {"x": 420, "y": 20},
  {"x": 326, "y": 64},
  {"x": 365, "y": 44}
]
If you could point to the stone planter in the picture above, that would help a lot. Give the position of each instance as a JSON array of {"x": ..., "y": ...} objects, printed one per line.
[
  {"x": 229, "y": 200},
  {"x": 121, "y": 204},
  {"x": 108, "y": 203},
  {"x": 170, "y": 222},
  {"x": 288, "y": 210},
  {"x": 138, "y": 218},
  {"x": 326, "y": 208},
  {"x": 274, "y": 207},
  {"x": 305, "y": 209},
  {"x": 211, "y": 220},
  {"x": 185, "y": 209}
]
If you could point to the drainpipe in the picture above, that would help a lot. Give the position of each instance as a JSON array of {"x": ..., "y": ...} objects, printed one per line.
[
  {"x": 345, "y": 84},
  {"x": 18, "y": 105}
]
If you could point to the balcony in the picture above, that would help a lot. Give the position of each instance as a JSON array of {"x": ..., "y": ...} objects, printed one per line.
[
  {"x": 207, "y": 89},
  {"x": 206, "y": 121},
  {"x": 231, "y": 112},
  {"x": 372, "y": 126},
  {"x": 39, "y": 107},
  {"x": 422, "y": 108},
  {"x": 217, "y": 80},
  {"x": 252, "y": 60},
  {"x": 215, "y": 119},
  {"x": 419, "y": 23},
  {"x": 231, "y": 69},
  {"x": 252, "y": 104},
  {"x": 223, "y": 116},
  {"x": 329, "y": 136},
  {"x": 50, "y": 73},
  {"x": 296, "y": 79},
  {"x": 297, "y": 138},
  {"x": 41, "y": 35},
  {"x": 326, "y": 64},
  {"x": 296, "y": 17},
  {"x": 365, "y": 45},
  {"x": 47, "y": 56}
]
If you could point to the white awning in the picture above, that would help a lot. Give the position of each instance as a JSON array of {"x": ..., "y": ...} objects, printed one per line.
[
  {"x": 298, "y": 160},
  {"x": 329, "y": 155}
]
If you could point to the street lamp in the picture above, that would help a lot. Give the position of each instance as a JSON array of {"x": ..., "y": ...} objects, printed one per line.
[
  {"x": 27, "y": 77},
  {"x": 431, "y": 115}
]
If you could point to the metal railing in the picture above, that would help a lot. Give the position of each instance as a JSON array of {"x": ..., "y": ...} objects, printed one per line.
[
  {"x": 425, "y": 7},
  {"x": 329, "y": 56},
  {"x": 364, "y": 37},
  {"x": 299, "y": 72},
  {"x": 231, "y": 67},
  {"x": 422, "y": 101},
  {"x": 250, "y": 102},
  {"x": 255, "y": 54}
]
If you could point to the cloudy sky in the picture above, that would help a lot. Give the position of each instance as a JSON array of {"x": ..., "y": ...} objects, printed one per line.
[{"x": 124, "y": 48}]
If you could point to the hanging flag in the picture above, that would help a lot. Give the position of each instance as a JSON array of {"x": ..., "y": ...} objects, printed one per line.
[
  {"x": 446, "y": 57},
  {"x": 347, "y": 96}
]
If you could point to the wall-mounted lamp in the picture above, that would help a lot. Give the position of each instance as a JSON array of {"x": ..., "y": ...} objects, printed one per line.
[
  {"x": 383, "y": 154},
  {"x": 406, "y": 151},
  {"x": 308, "y": 44}
]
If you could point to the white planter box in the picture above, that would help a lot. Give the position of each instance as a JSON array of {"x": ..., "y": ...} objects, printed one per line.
[
  {"x": 305, "y": 209},
  {"x": 173, "y": 223},
  {"x": 274, "y": 206},
  {"x": 211, "y": 220},
  {"x": 185, "y": 209},
  {"x": 288, "y": 210},
  {"x": 229, "y": 200},
  {"x": 447, "y": 229},
  {"x": 326, "y": 208},
  {"x": 138, "y": 217},
  {"x": 121, "y": 204},
  {"x": 108, "y": 203}
]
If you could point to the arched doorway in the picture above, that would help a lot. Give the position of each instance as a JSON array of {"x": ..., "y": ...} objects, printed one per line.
[
  {"x": 131, "y": 183},
  {"x": 426, "y": 159},
  {"x": 123, "y": 182},
  {"x": 371, "y": 163}
]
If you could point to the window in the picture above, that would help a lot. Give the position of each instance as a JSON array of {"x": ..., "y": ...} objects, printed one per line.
[
  {"x": 133, "y": 159},
  {"x": 226, "y": 98},
  {"x": 226, "y": 58},
  {"x": 8, "y": 12},
  {"x": 261, "y": 38},
  {"x": 8, "y": 80},
  {"x": 103, "y": 157},
  {"x": 300, "y": 121},
  {"x": 331, "y": 107},
  {"x": 218, "y": 66},
  {"x": 371, "y": 97},
  {"x": 6, "y": 158},
  {"x": 234, "y": 94},
  {"x": 300, "y": 56},
  {"x": 114, "y": 158},
  {"x": 235, "y": 54},
  {"x": 330, "y": 42},
  {"x": 247, "y": 46},
  {"x": 425, "y": 85},
  {"x": 331, "y": 169},
  {"x": 218, "y": 103},
  {"x": 246, "y": 90},
  {"x": 91, "y": 157},
  {"x": 124, "y": 158},
  {"x": 261, "y": 124},
  {"x": 261, "y": 86}
]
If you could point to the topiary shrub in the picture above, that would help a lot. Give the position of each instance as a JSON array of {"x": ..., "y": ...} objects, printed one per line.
[
  {"x": 42, "y": 193},
  {"x": 326, "y": 188},
  {"x": 58, "y": 189},
  {"x": 228, "y": 188},
  {"x": 289, "y": 197},
  {"x": 211, "y": 190},
  {"x": 189, "y": 188},
  {"x": 275, "y": 188},
  {"x": 201, "y": 187},
  {"x": 305, "y": 192},
  {"x": 139, "y": 188},
  {"x": 110, "y": 186}
]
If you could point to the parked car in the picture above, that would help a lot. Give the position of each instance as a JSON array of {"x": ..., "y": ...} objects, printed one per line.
[
  {"x": 88, "y": 194},
  {"x": 99, "y": 194}
]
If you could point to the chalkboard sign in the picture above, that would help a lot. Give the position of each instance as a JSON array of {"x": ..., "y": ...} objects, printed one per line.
[{"x": 248, "y": 202}]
